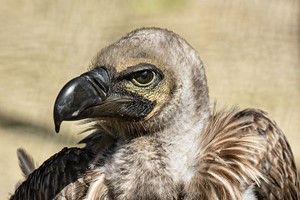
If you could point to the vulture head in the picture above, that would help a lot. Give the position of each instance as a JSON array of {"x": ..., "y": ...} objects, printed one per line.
[{"x": 141, "y": 83}]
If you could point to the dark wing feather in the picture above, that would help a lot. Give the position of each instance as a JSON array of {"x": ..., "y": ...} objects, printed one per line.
[
  {"x": 92, "y": 182},
  {"x": 68, "y": 174},
  {"x": 54, "y": 174},
  {"x": 26, "y": 162}
]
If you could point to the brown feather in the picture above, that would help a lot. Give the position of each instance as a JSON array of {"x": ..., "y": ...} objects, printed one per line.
[
  {"x": 233, "y": 151},
  {"x": 97, "y": 189},
  {"x": 90, "y": 186}
]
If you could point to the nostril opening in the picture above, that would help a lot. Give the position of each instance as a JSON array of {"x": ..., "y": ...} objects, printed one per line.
[
  {"x": 97, "y": 86},
  {"x": 100, "y": 84},
  {"x": 101, "y": 78}
]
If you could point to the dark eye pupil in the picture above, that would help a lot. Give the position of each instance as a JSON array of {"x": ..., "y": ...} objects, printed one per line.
[{"x": 143, "y": 77}]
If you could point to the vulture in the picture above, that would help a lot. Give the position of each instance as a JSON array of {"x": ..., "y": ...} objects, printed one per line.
[{"x": 155, "y": 136}]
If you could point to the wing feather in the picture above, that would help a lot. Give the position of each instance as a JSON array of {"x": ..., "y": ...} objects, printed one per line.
[
  {"x": 241, "y": 150},
  {"x": 54, "y": 174},
  {"x": 26, "y": 162}
]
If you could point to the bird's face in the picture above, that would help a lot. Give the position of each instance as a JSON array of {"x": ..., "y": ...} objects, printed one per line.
[{"x": 134, "y": 81}]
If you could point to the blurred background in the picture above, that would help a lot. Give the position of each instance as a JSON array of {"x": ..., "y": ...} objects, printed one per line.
[{"x": 251, "y": 51}]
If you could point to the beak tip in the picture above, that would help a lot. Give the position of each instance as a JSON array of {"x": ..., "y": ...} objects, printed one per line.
[
  {"x": 57, "y": 118},
  {"x": 57, "y": 126}
]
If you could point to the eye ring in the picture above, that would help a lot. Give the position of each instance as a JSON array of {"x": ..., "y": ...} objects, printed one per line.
[{"x": 143, "y": 78}]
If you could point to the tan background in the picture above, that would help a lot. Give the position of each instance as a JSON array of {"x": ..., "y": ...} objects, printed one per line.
[{"x": 251, "y": 50}]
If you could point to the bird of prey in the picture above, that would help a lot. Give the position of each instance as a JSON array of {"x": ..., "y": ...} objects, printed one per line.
[{"x": 155, "y": 136}]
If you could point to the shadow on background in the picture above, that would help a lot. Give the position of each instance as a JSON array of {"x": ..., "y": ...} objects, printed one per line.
[{"x": 251, "y": 50}]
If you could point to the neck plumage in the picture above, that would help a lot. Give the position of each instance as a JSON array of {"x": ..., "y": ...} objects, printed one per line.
[{"x": 183, "y": 133}]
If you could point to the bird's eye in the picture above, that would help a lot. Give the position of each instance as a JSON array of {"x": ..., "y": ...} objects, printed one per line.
[{"x": 143, "y": 78}]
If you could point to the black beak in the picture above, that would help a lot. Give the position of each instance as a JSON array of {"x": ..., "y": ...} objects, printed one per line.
[
  {"x": 86, "y": 96},
  {"x": 90, "y": 96}
]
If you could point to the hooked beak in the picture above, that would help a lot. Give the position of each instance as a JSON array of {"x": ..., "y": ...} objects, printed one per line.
[{"x": 87, "y": 96}]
